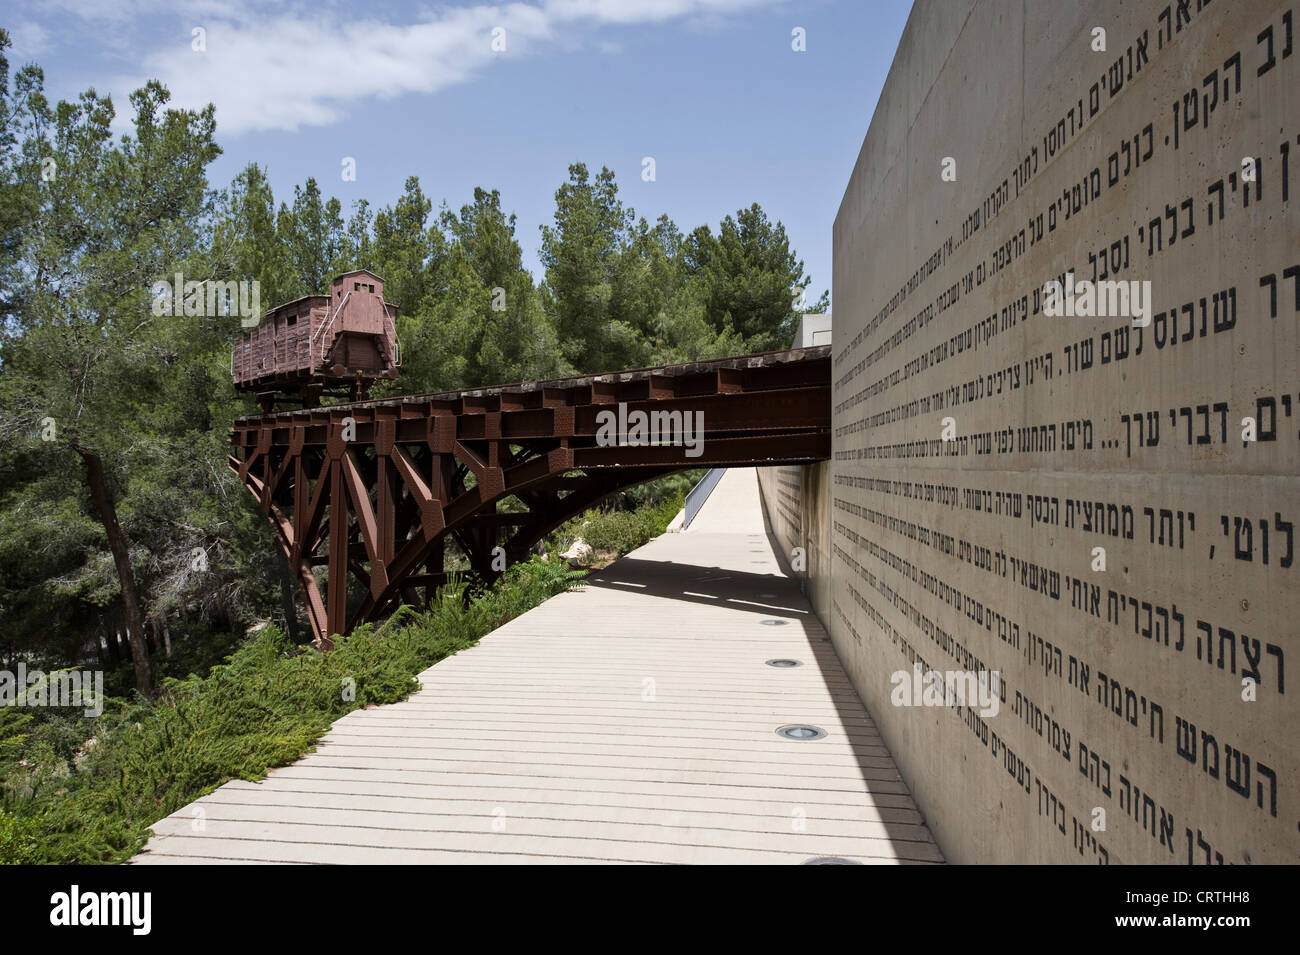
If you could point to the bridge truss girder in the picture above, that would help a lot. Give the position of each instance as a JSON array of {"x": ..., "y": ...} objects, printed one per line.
[{"x": 372, "y": 491}]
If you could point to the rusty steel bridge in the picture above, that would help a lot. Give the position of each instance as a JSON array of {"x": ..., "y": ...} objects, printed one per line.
[{"x": 370, "y": 491}]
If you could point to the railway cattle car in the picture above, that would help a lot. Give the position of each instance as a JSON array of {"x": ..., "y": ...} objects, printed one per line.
[{"x": 336, "y": 344}]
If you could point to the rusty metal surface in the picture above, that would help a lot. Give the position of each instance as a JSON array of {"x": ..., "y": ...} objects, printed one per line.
[
  {"x": 319, "y": 342},
  {"x": 372, "y": 490}
]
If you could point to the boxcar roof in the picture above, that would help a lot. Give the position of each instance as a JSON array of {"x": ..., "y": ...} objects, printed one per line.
[
  {"x": 324, "y": 297},
  {"x": 359, "y": 272},
  {"x": 296, "y": 301}
]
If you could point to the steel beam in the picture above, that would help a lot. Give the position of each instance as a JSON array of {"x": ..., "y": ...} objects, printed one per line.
[{"x": 378, "y": 501}]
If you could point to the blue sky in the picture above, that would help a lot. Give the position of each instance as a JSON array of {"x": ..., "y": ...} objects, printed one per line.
[{"x": 711, "y": 89}]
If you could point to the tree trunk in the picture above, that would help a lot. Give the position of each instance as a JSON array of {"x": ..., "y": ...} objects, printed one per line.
[
  {"x": 134, "y": 619},
  {"x": 286, "y": 596},
  {"x": 110, "y": 641}
]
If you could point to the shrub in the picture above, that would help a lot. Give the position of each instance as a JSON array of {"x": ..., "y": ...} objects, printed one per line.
[
  {"x": 17, "y": 840},
  {"x": 621, "y": 531},
  {"x": 264, "y": 707}
]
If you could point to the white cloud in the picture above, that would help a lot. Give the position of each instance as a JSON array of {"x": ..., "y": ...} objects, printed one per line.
[
  {"x": 278, "y": 70},
  {"x": 282, "y": 72},
  {"x": 127, "y": 11},
  {"x": 644, "y": 11},
  {"x": 29, "y": 39}
]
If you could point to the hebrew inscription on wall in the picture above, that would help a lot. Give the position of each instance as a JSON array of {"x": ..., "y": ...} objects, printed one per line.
[{"x": 1090, "y": 489}]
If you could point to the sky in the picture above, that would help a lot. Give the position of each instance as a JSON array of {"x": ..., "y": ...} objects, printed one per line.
[{"x": 507, "y": 96}]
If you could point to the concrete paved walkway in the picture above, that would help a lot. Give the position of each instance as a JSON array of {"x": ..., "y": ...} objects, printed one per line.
[{"x": 633, "y": 720}]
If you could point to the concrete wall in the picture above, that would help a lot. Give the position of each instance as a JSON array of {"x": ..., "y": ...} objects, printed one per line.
[
  {"x": 1153, "y": 691},
  {"x": 796, "y": 499}
]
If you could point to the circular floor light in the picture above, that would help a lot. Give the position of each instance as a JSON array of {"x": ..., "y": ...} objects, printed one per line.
[
  {"x": 774, "y": 623},
  {"x": 784, "y": 664},
  {"x": 801, "y": 731},
  {"x": 832, "y": 860}
]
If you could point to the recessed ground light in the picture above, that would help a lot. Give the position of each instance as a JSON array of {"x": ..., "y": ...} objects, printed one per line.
[
  {"x": 832, "y": 860},
  {"x": 801, "y": 731},
  {"x": 767, "y": 596},
  {"x": 774, "y": 623},
  {"x": 784, "y": 664}
]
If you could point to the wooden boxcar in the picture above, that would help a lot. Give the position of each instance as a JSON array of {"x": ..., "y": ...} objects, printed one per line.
[{"x": 338, "y": 343}]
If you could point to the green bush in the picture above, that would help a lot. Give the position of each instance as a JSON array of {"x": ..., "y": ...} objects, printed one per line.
[
  {"x": 17, "y": 841},
  {"x": 620, "y": 531},
  {"x": 76, "y": 790},
  {"x": 264, "y": 707},
  {"x": 660, "y": 489}
]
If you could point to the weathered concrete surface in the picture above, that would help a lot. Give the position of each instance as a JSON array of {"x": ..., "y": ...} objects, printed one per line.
[
  {"x": 631, "y": 721},
  {"x": 813, "y": 330},
  {"x": 796, "y": 502},
  {"x": 1126, "y": 731}
]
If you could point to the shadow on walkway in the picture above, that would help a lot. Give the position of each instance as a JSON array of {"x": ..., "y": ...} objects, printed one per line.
[{"x": 774, "y": 596}]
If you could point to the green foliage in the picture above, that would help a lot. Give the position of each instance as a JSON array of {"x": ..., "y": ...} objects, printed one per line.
[
  {"x": 149, "y": 396},
  {"x": 621, "y": 531},
  {"x": 673, "y": 487},
  {"x": 91, "y": 800},
  {"x": 17, "y": 841},
  {"x": 312, "y": 233},
  {"x": 406, "y": 252},
  {"x": 624, "y": 294},
  {"x": 86, "y": 362},
  {"x": 751, "y": 280},
  {"x": 584, "y": 258},
  {"x": 14, "y": 732},
  {"x": 482, "y": 322},
  {"x": 245, "y": 237}
]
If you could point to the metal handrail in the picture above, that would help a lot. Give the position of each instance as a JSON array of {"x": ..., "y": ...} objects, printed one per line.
[
  {"x": 325, "y": 326},
  {"x": 697, "y": 495}
]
